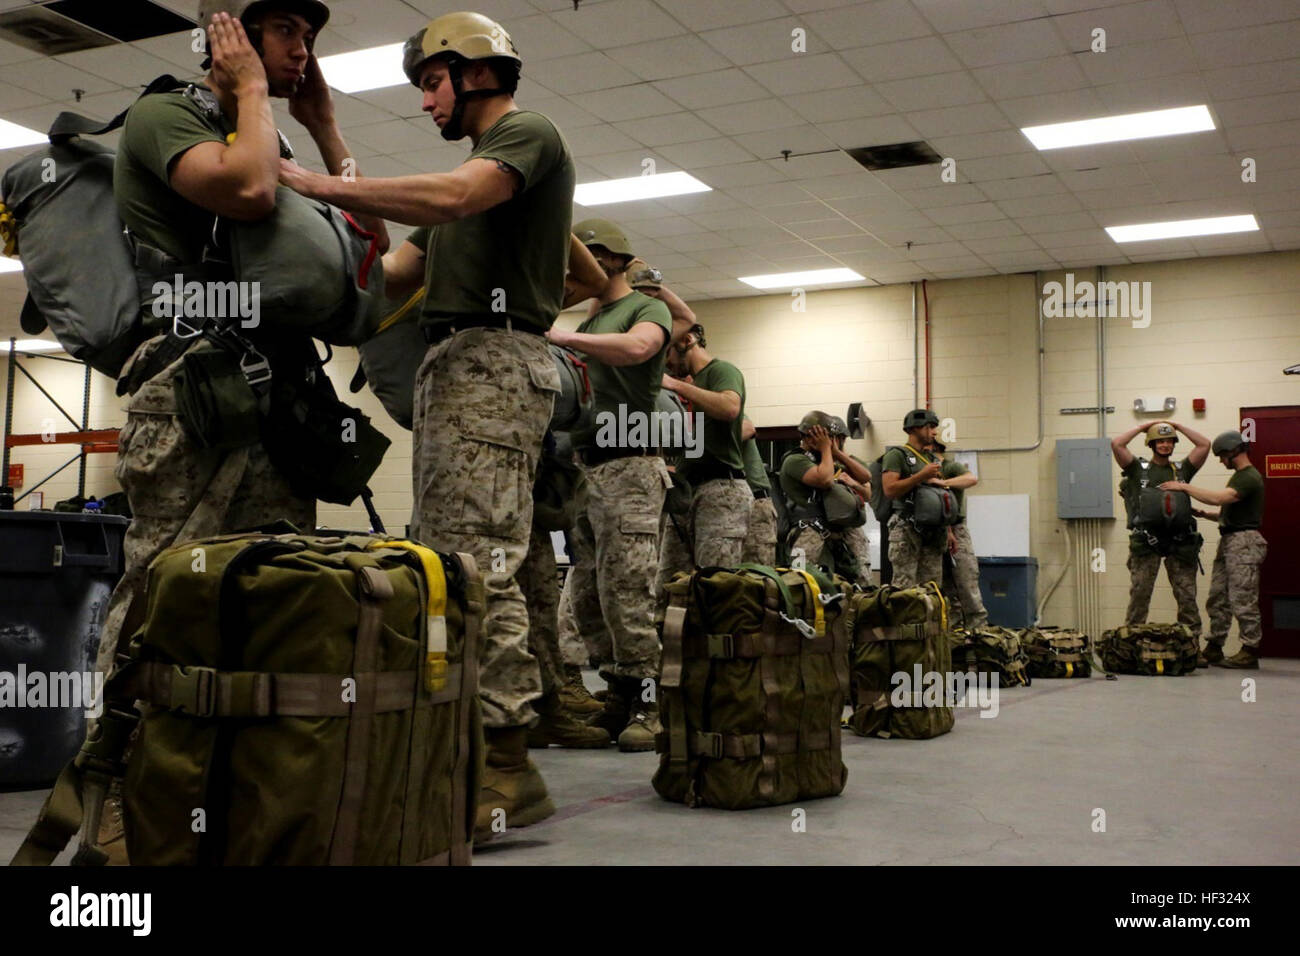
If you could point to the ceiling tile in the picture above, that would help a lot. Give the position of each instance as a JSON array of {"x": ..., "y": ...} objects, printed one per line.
[
  {"x": 756, "y": 115},
  {"x": 870, "y": 131},
  {"x": 1039, "y": 206},
  {"x": 581, "y": 73},
  {"x": 970, "y": 212},
  {"x": 959, "y": 120},
  {"x": 937, "y": 194},
  {"x": 818, "y": 167},
  {"x": 824, "y": 228},
  {"x": 1204, "y": 16},
  {"x": 1256, "y": 79},
  {"x": 977, "y": 145},
  {"x": 1014, "y": 167},
  {"x": 629, "y": 163},
  {"x": 1128, "y": 24},
  {"x": 541, "y": 38},
  {"x": 759, "y": 42},
  {"x": 712, "y": 89},
  {"x": 950, "y": 15},
  {"x": 667, "y": 129},
  {"x": 769, "y": 144},
  {"x": 1038, "y": 185},
  {"x": 847, "y": 102},
  {"x": 804, "y": 73},
  {"x": 594, "y": 140},
  {"x": 598, "y": 22},
  {"x": 1006, "y": 43},
  {"x": 1138, "y": 61},
  {"x": 1277, "y": 41},
  {"x": 661, "y": 59},
  {"x": 707, "y": 152},
  {"x": 844, "y": 187},
  {"x": 708, "y": 16},
  {"x": 993, "y": 229},
  {"x": 1060, "y": 107},
  {"x": 862, "y": 24},
  {"x": 931, "y": 92},
  {"x": 626, "y": 103},
  {"x": 740, "y": 174},
  {"x": 769, "y": 194},
  {"x": 1051, "y": 75}
]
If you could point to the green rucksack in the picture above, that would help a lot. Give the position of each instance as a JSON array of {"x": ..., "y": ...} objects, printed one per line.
[
  {"x": 309, "y": 700},
  {"x": 991, "y": 650},
  {"x": 1057, "y": 652},
  {"x": 754, "y": 677},
  {"x": 899, "y": 636},
  {"x": 1151, "y": 649}
]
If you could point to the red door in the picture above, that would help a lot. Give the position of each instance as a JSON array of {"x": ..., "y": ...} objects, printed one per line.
[{"x": 1276, "y": 453}]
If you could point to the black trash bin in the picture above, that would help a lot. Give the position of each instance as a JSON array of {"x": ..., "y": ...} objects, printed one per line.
[{"x": 56, "y": 574}]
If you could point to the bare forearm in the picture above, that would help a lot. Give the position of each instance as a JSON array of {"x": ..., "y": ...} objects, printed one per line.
[
  {"x": 676, "y": 306},
  {"x": 612, "y": 348},
  {"x": 714, "y": 404},
  {"x": 856, "y": 471},
  {"x": 1225, "y": 496},
  {"x": 430, "y": 199},
  {"x": 253, "y": 158},
  {"x": 962, "y": 481}
]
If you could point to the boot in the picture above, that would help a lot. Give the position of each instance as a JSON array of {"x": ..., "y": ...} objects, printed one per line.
[
  {"x": 511, "y": 782},
  {"x": 1212, "y": 654},
  {"x": 574, "y": 694},
  {"x": 613, "y": 715},
  {"x": 642, "y": 725},
  {"x": 112, "y": 833},
  {"x": 564, "y": 728},
  {"x": 1245, "y": 659}
]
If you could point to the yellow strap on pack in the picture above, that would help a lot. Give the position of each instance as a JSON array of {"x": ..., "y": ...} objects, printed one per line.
[
  {"x": 392, "y": 319},
  {"x": 8, "y": 230},
  {"x": 1160, "y": 666},
  {"x": 435, "y": 652},
  {"x": 814, "y": 597},
  {"x": 1069, "y": 669}
]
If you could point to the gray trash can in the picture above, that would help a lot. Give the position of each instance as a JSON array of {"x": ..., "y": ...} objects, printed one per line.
[
  {"x": 1009, "y": 587},
  {"x": 56, "y": 574}
]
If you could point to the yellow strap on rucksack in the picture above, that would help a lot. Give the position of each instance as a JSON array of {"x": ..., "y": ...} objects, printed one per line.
[
  {"x": 814, "y": 597},
  {"x": 393, "y": 318},
  {"x": 435, "y": 652}
]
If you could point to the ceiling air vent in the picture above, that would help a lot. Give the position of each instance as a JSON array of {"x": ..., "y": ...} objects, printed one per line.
[
  {"x": 125, "y": 20},
  {"x": 895, "y": 155},
  {"x": 38, "y": 29}
]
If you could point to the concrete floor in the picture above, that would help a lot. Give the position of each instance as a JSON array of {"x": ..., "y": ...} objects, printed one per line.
[{"x": 1186, "y": 772}]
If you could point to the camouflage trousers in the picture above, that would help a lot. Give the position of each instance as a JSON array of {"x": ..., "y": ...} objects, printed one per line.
[
  {"x": 712, "y": 535},
  {"x": 575, "y": 649},
  {"x": 962, "y": 588},
  {"x": 760, "y": 539},
  {"x": 841, "y": 551},
  {"x": 914, "y": 560},
  {"x": 1143, "y": 569},
  {"x": 1234, "y": 587},
  {"x": 179, "y": 492},
  {"x": 616, "y": 556},
  {"x": 540, "y": 582},
  {"x": 483, "y": 400}
]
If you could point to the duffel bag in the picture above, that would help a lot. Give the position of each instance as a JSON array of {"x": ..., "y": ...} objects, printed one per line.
[
  {"x": 1150, "y": 649},
  {"x": 900, "y": 637},
  {"x": 307, "y": 701},
  {"x": 1057, "y": 652},
  {"x": 754, "y": 677},
  {"x": 992, "y": 650}
]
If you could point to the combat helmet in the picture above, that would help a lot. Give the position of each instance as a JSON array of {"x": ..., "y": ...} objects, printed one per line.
[
  {"x": 1228, "y": 443},
  {"x": 1161, "y": 431},
  {"x": 459, "y": 37},
  {"x": 602, "y": 232},
  {"x": 817, "y": 418},
  {"x": 918, "y": 417}
]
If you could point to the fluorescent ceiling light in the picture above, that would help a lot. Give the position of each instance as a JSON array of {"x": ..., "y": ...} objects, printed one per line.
[
  {"x": 1183, "y": 227},
  {"x": 12, "y": 135},
  {"x": 638, "y": 187},
  {"x": 793, "y": 280},
  {"x": 1111, "y": 129},
  {"x": 32, "y": 345},
  {"x": 10, "y": 265},
  {"x": 362, "y": 70}
]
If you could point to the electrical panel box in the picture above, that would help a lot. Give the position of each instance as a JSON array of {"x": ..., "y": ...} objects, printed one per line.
[{"x": 1083, "y": 478}]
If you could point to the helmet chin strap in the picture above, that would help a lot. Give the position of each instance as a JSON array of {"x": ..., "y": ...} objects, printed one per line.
[{"x": 455, "y": 128}]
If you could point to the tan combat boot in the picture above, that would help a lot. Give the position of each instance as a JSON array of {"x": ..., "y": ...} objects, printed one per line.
[
  {"x": 613, "y": 715},
  {"x": 638, "y": 735},
  {"x": 574, "y": 694},
  {"x": 1245, "y": 659},
  {"x": 564, "y": 728},
  {"x": 514, "y": 793},
  {"x": 1212, "y": 654}
]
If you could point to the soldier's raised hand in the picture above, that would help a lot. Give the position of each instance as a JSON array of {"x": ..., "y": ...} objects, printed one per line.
[{"x": 236, "y": 66}]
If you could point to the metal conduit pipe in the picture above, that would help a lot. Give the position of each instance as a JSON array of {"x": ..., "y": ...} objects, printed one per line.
[
  {"x": 916, "y": 353},
  {"x": 1101, "y": 355}
]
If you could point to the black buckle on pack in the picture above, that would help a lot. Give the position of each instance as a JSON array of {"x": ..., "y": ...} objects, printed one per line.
[
  {"x": 709, "y": 745},
  {"x": 194, "y": 690},
  {"x": 722, "y": 645},
  {"x": 256, "y": 368}
]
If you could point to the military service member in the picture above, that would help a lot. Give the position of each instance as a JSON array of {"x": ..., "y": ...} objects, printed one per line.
[
  {"x": 721, "y": 500},
  {"x": 492, "y": 252},
  {"x": 760, "y": 539},
  {"x": 616, "y": 538},
  {"x": 819, "y": 464},
  {"x": 1180, "y": 550},
  {"x": 963, "y": 590},
  {"x": 1234, "y": 582},
  {"x": 915, "y": 555},
  {"x": 177, "y": 166}
]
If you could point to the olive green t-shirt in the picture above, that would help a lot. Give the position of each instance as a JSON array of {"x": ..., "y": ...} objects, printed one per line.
[
  {"x": 510, "y": 259},
  {"x": 159, "y": 128},
  {"x": 953, "y": 469},
  {"x": 793, "y": 468},
  {"x": 722, "y": 440},
  {"x": 1248, "y": 512},
  {"x": 633, "y": 387},
  {"x": 905, "y": 461},
  {"x": 755, "y": 473}
]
